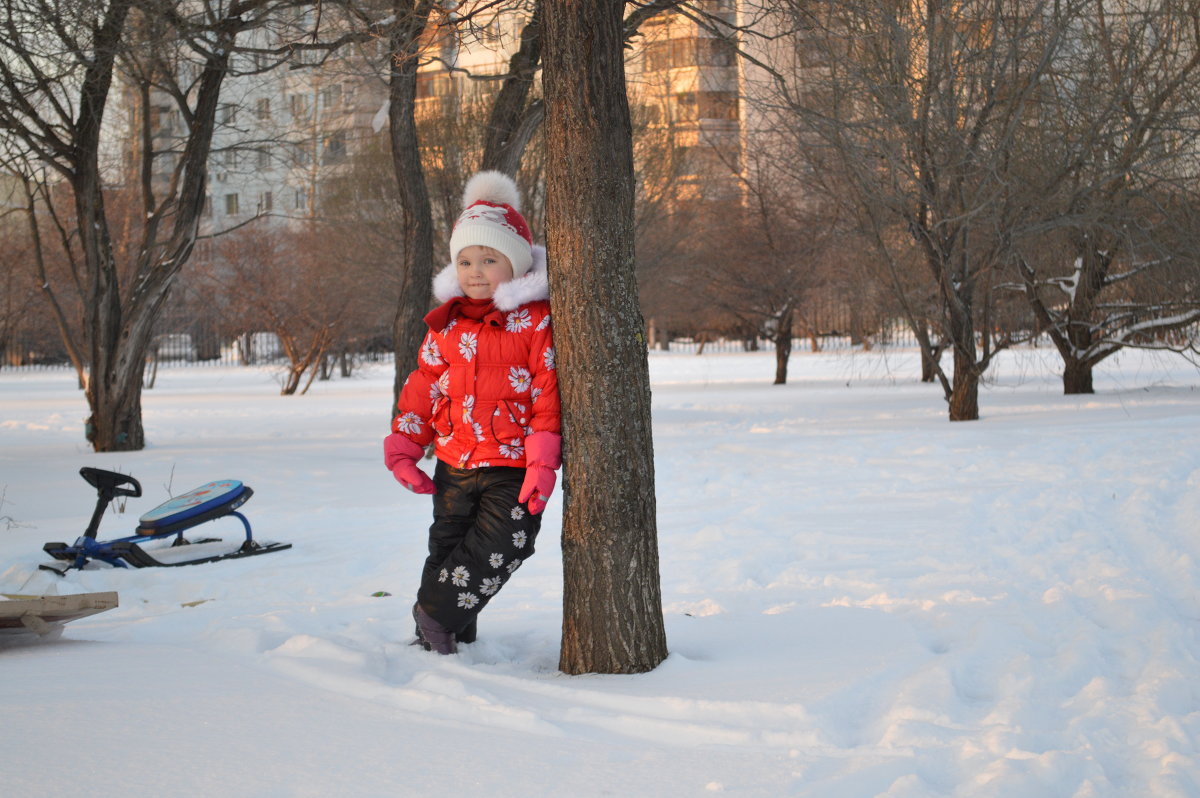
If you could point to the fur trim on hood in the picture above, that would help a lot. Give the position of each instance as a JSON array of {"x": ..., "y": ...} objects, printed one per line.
[{"x": 534, "y": 285}]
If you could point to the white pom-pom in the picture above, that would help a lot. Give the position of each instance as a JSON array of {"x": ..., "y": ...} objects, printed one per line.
[{"x": 493, "y": 187}]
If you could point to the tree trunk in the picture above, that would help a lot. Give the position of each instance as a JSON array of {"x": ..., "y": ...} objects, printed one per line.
[
  {"x": 1077, "y": 376},
  {"x": 612, "y": 604},
  {"x": 783, "y": 347},
  {"x": 929, "y": 363},
  {"x": 514, "y": 120},
  {"x": 964, "y": 398},
  {"x": 964, "y": 392},
  {"x": 417, "y": 266},
  {"x": 114, "y": 395}
]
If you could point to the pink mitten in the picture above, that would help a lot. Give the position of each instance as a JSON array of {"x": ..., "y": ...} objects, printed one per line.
[
  {"x": 400, "y": 455},
  {"x": 543, "y": 454}
]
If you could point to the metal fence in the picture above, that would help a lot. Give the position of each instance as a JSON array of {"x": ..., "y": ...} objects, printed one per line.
[{"x": 177, "y": 350}]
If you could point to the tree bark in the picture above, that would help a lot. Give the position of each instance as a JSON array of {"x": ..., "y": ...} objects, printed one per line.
[
  {"x": 416, "y": 268},
  {"x": 1077, "y": 377},
  {"x": 612, "y": 605},
  {"x": 964, "y": 398},
  {"x": 783, "y": 346}
]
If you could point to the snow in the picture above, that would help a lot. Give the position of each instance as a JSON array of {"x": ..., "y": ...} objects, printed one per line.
[{"x": 861, "y": 598}]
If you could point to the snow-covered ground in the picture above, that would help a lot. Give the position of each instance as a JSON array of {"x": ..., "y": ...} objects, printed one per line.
[{"x": 861, "y": 599}]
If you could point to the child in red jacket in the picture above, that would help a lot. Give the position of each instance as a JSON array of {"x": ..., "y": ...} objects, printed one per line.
[{"x": 485, "y": 392}]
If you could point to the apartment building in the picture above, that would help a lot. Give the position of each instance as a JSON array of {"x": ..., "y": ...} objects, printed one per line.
[{"x": 280, "y": 133}]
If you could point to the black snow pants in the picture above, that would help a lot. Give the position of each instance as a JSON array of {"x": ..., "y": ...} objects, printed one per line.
[{"x": 480, "y": 536}]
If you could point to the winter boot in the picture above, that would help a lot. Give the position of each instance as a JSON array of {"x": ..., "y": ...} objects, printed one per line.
[
  {"x": 467, "y": 635},
  {"x": 433, "y": 636}
]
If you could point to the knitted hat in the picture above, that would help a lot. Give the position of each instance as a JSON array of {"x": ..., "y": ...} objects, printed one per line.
[{"x": 492, "y": 218}]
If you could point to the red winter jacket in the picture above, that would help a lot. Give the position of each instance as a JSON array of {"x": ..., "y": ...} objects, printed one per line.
[{"x": 481, "y": 387}]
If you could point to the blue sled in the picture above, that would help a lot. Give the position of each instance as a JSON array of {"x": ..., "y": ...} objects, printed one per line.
[{"x": 171, "y": 518}]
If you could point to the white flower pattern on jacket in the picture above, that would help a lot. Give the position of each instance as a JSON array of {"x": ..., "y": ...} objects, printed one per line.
[
  {"x": 518, "y": 320},
  {"x": 430, "y": 352},
  {"x": 408, "y": 423},
  {"x": 520, "y": 379},
  {"x": 468, "y": 342},
  {"x": 513, "y": 449}
]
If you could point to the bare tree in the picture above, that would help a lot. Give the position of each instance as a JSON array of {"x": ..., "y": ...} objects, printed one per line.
[
  {"x": 920, "y": 103},
  {"x": 1107, "y": 257},
  {"x": 612, "y": 613},
  {"x": 781, "y": 237},
  {"x": 17, "y": 292},
  {"x": 293, "y": 283},
  {"x": 64, "y": 67}
]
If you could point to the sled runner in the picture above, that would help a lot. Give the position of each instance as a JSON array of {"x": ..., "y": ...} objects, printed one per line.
[{"x": 148, "y": 546}]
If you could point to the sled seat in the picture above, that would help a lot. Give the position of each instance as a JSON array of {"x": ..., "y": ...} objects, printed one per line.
[{"x": 209, "y": 501}]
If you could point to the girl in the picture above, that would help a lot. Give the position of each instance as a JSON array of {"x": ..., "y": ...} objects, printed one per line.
[{"x": 485, "y": 393}]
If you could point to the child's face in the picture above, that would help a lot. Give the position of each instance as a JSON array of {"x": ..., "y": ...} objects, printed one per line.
[{"x": 480, "y": 270}]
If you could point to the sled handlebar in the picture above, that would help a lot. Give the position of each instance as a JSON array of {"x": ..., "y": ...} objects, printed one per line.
[{"x": 109, "y": 484}]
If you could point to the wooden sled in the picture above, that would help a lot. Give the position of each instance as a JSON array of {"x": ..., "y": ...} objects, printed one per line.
[{"x": 45, "y": 615}]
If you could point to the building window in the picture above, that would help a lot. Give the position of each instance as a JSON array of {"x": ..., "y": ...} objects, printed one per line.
[
  {"x": 299, "y": 103},
  {"x": 717, "y": 105},
  {"x": 689, "y": 51},
  {"x": 231, "y": 204},
  {"x": 207, "y": 205},
  {"x": 685, "y": 106},
  {"x": 715, "y": 52},
  {"x": 264, "y": 158},
  {"x": 434, "y": 85},
  {"x": 333, "y": 147},
  {"x": 162, "y": 119},
  {"x": 331, "y": 95},
  {"x": 262, "y": 108},
  {"x": 230, "y": 158},
  {"x": 690, "y": 106},
  {"x": 228, "y": 114},
  {"x": 266, "y": 202},
  {"x": 303, "y": 153},
  {"x": 301, "y": 200},
  {"x": 658, "y": 56}
]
